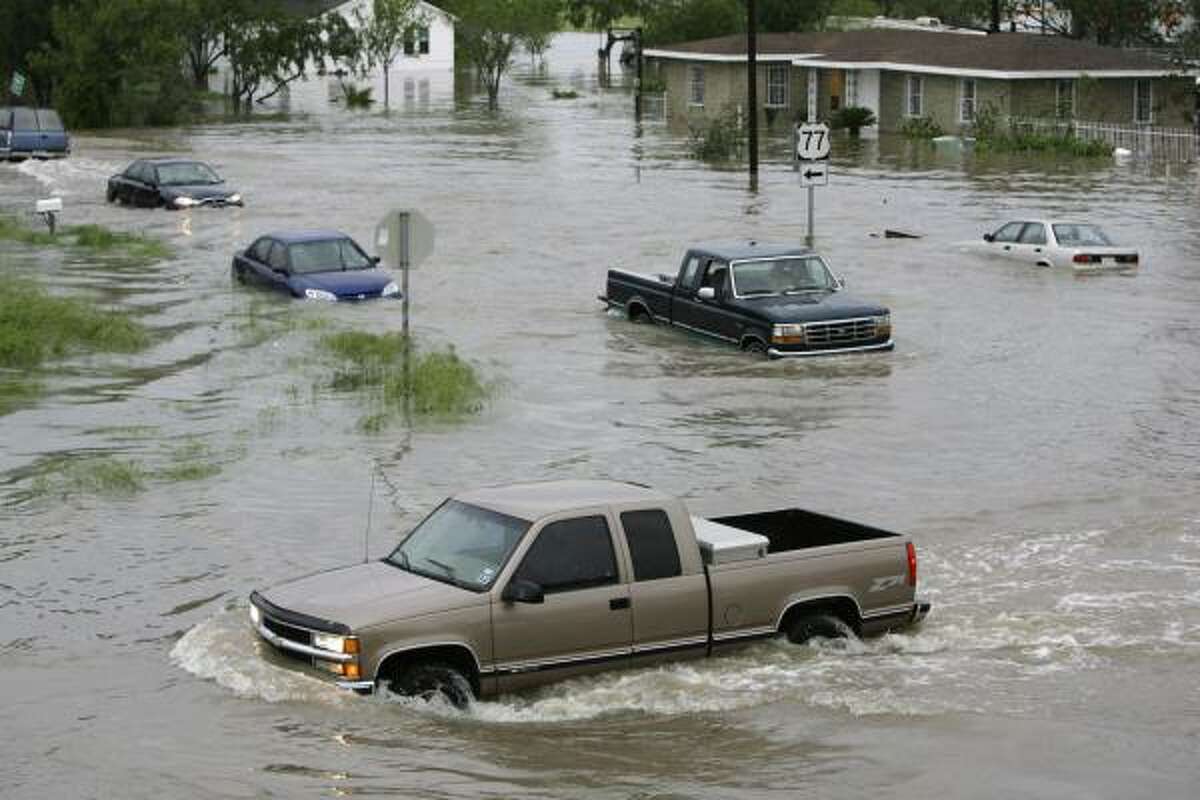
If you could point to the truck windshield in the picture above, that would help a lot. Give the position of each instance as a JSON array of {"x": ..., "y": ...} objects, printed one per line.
[
  {"x": 460, "y": 544},
  {"x": 781, "y": 276}
]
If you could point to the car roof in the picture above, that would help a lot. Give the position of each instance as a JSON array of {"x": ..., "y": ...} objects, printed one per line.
[
  {"x": 739, "y": 250},
  {"x": 158, "y": 160},
  {"x": 532, "y": 501},
  {"x": 313, "y": 235}
]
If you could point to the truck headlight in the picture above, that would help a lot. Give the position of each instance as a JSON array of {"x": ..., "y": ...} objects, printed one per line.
[
  {"x": 255, "y": 615},
  {"x": 234, "y": 199},
  {"x": 791, "y": 333},
  {"x": 883, "y": 325},
  {"x": 320, "y": 294},
  {"x": 185, "y": 202},
  {"x": 391, "y": 290},
  {"x": 335, "y": 643}
]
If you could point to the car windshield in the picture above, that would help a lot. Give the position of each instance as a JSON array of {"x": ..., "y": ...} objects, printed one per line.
[
  {"x": 327, "y": 255},
  {"x": 1081, "y": 235},
  {"x": 186, "y": 173},
  {"x": 460, "y": 544},
  {"x": 781, "y": 276}
]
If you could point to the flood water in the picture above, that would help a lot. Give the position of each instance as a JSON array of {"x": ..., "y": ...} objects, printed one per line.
[{"x": 1036, "y": 432}]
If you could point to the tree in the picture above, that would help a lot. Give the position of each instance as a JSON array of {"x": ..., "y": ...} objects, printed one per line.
[
  {"x": 599, "y": 15},
  {"x": 383, "y": 35},
  {"x": 785, "y": 16},
  {"x": 203, "y": 23},
  {"x": 686, "y": 20},
  {"x": 116, "y": 62},
  {"x": 275, "y": 49},
  {"x": 488, "y": 32},
  {"x": 27, "y": 30}
]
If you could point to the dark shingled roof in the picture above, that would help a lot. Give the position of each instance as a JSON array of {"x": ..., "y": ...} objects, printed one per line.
[{"x": 1000, "y": 52}]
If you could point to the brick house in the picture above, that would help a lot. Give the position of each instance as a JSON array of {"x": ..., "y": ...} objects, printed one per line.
[{"x": 943, "y": 75}]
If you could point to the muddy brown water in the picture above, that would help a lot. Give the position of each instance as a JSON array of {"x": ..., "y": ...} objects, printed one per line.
[{"x": 1037, "y": 433}]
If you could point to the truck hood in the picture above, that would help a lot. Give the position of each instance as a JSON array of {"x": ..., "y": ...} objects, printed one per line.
[
  {"x": 369, "y": 594},
  {"x": 809, "y": 307}
]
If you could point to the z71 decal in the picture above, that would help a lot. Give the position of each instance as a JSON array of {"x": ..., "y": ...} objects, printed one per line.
[{"x": 886, "y": 582}]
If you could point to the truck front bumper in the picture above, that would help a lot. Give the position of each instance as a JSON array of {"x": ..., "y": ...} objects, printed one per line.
[
  {"x": 920, "y": 611},
  {"x": 775, "y": 352}
]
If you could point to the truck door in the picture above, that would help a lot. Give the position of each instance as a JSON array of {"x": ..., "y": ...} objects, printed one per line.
[
  {"x": 706, "y": 316},
  {"x": 670, "y": 609},
  {"x": 584, "y": 621}
]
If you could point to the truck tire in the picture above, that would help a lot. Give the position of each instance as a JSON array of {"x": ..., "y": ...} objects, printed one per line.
[
  {"x": 429, "y": 679},
  {"x": 810, "y": 626},
  {"x": 640, "y": 316},
  {"x": 755, "y": 347}
]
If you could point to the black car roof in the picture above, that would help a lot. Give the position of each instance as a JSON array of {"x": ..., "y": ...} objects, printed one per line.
[{"x": 740, "y": 250}]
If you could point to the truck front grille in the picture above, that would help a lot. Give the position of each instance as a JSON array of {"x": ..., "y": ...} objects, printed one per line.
[
  {"x": 843, "y": 333},
  {"x": 287, "y": 631}
]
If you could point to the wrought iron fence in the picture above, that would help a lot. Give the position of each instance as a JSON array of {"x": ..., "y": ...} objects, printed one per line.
[{"x": 1142, "y": 141}]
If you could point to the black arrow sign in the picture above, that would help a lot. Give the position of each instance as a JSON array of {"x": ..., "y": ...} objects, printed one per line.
[{"x": 814, "y": 173}]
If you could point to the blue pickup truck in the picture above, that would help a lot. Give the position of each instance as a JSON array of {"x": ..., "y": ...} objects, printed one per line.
[
  {"x": 778, "y": 300},
  {"x": 32, "y": 133}
]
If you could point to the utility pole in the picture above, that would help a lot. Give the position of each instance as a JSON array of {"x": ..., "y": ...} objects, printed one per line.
[
  {"x": 995, "y": 28},
  {"x": 752, "y": 86}
]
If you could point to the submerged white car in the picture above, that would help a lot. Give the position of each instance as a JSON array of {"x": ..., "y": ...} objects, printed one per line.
[{"x": 1083, "y": 247}]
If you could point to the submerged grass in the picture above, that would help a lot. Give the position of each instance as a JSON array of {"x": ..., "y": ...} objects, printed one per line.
[
  {"x": 35, "y": 326},
  {"x": 99, "y": 475},
  {"x": 16, "y": 393},
  {"x": 437, "y": 383},
  {"x": 89, "y": 237}
]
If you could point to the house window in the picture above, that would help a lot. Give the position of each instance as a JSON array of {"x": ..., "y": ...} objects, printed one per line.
[
  {"x": 852, "y": 88},
  {"x": 696, "y": 85},
  {"x": 777, "y": 85},
  {"x": 914, "y": 104},
  {"x": 1143, "y": 101},
  {"x": 1064, "y": 98},
  {"x": 416, "y": 41},
  {"x": 966, "y": 100}
]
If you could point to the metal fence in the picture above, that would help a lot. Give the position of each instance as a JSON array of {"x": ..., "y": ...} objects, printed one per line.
[
  {"x": 1143, "y": 141},
  {"x": 654, "y": 106}
]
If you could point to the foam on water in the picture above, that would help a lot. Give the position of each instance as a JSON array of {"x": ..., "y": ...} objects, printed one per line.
[{"x": 60, "y": 174}]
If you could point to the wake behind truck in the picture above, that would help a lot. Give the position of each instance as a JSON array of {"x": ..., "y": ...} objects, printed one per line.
[{"x": 509, "y": 587}]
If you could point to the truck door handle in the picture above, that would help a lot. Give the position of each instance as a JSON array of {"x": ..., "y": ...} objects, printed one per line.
[{"x": 617, "y": 603}]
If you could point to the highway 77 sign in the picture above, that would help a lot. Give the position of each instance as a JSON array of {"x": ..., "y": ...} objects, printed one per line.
[{"x": 812, "y": 141}]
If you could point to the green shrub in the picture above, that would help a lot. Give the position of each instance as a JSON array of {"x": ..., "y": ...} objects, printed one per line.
[
  {"x": 564, "y": 94},
  {"x": 921, "y": 128},
  {"x": 720, "y": 139},
  {"x": 853, "y": 119},
  {"x": 358, "y": 97},
  {"x": 91, "y": 237}
]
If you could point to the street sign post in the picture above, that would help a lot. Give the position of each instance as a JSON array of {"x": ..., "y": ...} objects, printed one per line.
[
  {"x": 403, "y": 239},
  {"x": 810, "y": 158},
  {"x": 17, "y": 87}
]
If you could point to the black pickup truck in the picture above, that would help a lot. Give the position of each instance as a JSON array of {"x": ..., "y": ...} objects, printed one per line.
[{"x": 779, "y": 300}]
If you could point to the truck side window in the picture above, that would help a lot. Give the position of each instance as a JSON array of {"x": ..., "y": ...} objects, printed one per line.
[
  {"x": 689, "y": 272},
  {"x": 651, "y": 544},
  {"x": 716, "y": 275},
  {"x": 571, "y": 554},
  {"x": 1034, "y": 233}
]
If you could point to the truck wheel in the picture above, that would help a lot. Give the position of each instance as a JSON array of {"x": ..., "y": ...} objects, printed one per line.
[
  {"x": 809, "y": 626},
  {"x": 110, "y": 195},
  {"x": 755, "y": 347},
  {"x": 238, "y": 275},
  {"x": 428, "y": 680},
  {"x": 640, "y": 316}
]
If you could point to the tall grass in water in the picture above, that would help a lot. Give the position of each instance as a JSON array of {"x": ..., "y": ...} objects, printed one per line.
[
  {"x": 436, "y": 383},
  {"x": 35, "y": 326},
  {"x": 90, "y": 237}
]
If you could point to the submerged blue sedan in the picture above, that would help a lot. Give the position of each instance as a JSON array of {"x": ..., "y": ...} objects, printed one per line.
[{"x": 316, "y": 265}]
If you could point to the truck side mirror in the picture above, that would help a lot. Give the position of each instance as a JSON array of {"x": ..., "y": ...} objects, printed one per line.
[
  {"x": 706, "y": 293},
  {"x": 520, "y": 590},
  {"x": 987, "y": 237}
]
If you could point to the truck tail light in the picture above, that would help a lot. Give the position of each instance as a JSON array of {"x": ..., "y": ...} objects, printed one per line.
[
  {"x": 912, "y": 564},
  {"x": 1084, "y": 258}
]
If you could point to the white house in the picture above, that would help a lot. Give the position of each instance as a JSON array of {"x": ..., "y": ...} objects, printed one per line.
[{"x": 429, "y": 47}]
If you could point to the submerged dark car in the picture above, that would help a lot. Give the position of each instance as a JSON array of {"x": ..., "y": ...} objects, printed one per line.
[
  {"x": 316, "y": 265},
  {"x": 32, "y": 133},
  {"x": 172, "y": 183},
  {"x": 777, "y": 299}
]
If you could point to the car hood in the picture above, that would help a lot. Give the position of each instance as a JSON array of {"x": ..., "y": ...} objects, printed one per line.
[
  {"x": 369, "y": 594},
  {"x": 809, "y": 307},
  {"x": 344, "y": 283},
  {"x": 203, "y": 191}
]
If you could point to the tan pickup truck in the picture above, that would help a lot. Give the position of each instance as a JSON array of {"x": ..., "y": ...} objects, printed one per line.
[{"x": 509, "y": 587}]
